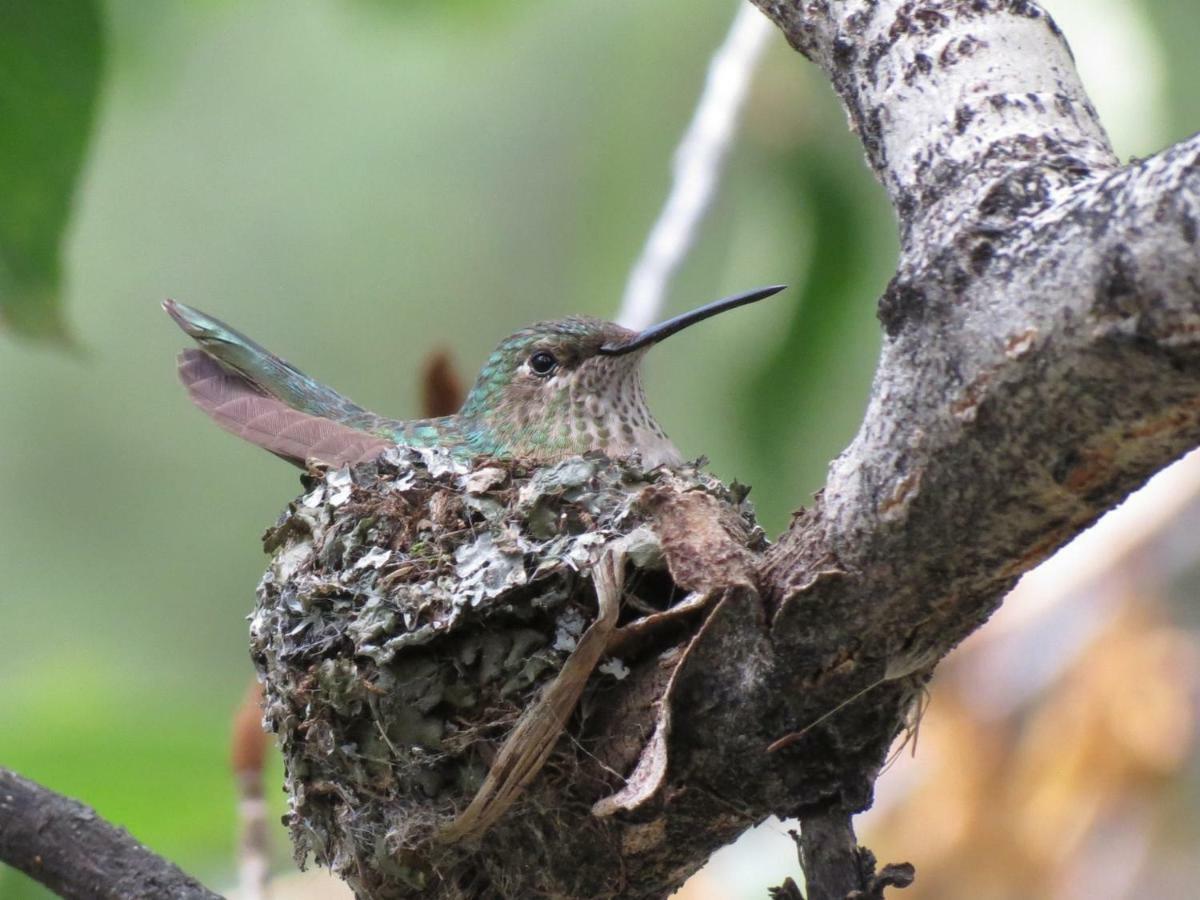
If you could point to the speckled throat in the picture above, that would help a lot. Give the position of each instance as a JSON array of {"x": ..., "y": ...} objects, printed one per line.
[
  {"x": 598, "y": 405},
  {"x": 608, "y": 410}
]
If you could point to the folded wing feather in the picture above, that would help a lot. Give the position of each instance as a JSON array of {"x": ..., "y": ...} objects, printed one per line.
[{"x": 243, "y": 409}]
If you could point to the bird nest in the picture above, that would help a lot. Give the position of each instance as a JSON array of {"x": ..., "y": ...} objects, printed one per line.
[{"x": 425, "y": 631}]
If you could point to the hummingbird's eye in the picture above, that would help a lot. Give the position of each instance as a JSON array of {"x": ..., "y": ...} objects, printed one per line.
[{"x": 543, "y": 362}]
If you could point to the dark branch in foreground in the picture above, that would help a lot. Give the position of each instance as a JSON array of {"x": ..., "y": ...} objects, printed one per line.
[{"x": 74, "y": 852}]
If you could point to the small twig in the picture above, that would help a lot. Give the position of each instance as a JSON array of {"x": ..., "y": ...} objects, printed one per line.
[
  {"x": 836, "y": 868},
  {"x": 897, "y": 875},
  {"x": 789, "y": 890},
  {"x": 788, "y": 739},
  {"x": 697, "y": 167},
  {"x": 830, "y": 857},
  {"x": 77, "y": 854}
]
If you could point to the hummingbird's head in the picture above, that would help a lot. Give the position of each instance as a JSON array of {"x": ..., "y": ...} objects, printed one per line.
[{"x": 572, "y": 385}]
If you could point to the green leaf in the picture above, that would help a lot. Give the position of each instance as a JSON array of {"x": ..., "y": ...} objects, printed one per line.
[
  {"x": 806, "y": 399},
  {"x": 1178, "y": 30},
  {"x": 50, "y": 66}
]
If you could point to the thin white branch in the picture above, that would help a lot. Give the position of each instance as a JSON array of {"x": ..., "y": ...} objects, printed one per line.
[
  {"x": 254, "y": 850},
  {"x": 697, "y": 167},
  {"x": 248, "y": 751}
]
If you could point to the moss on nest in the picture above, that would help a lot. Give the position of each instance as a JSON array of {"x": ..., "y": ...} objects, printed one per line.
[{"x": 413, "y": 608}]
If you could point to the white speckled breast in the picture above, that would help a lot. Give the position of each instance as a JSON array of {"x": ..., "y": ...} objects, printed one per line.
[{"x": 609, "y": 412}]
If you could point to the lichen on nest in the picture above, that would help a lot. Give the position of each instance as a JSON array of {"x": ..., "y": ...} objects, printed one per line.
[{"x": 413, "y": 608}]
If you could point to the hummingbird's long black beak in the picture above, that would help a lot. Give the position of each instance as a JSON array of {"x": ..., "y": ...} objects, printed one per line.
[{"x": 656, "y": 333}]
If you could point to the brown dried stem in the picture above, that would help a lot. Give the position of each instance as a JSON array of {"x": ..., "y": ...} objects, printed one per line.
[{"x": 528, "y": 745}]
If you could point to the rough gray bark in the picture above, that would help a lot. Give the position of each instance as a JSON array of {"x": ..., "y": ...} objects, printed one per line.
[
  {"x": 1040, "y": 362},
  {"x": 71, "y": 850},
  {"x": 1040, "y": 358}
]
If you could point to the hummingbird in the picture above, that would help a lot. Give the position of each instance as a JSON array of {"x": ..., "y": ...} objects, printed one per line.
[{"x": 553, "y": 390}]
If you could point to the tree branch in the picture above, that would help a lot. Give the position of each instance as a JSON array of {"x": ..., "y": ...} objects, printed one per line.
[
  {"x": 71, "y": 850},
  {"x": 829, "y": 855},
  {"x": 950, "y": 96},
  {"x": 1040, "y": 359}
]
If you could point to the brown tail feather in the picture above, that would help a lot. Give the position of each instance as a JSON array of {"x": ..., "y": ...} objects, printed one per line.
[{"x": 242, "y": 409}]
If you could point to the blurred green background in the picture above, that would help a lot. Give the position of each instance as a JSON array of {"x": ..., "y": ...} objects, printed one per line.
[{"x": 354, "y": 182}]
